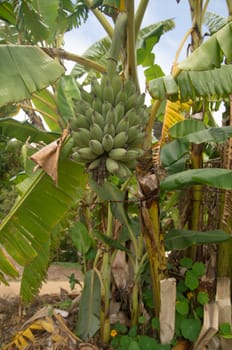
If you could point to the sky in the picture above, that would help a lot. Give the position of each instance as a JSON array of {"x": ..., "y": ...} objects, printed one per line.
[{"x": 78, "y": 40}]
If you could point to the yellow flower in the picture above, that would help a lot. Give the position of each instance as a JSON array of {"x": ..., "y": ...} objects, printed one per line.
[
  {"x": 190, "y": 295},
  {"x": 113, "y": 333}
]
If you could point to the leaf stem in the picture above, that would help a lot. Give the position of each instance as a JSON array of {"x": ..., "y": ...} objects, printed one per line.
[
  {"x": 60, "y": 53},
  {"x": 139, "y": 15},
  {"x": 101, "y": 18},
  {"x": 22, "y": 105}
]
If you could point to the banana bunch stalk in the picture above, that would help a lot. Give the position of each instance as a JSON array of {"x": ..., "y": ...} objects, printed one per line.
[{"x": 109, "y": 127}]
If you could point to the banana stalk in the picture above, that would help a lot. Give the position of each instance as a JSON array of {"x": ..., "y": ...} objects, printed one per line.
[
  {"x": 105, "y": 293},
  {"x": 118, "y": 35}
]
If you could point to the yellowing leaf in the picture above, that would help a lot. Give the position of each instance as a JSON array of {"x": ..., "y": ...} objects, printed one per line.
[
  {"x": 28, "y": 334},
  {"x": 47, "y": 325},
  {"x": 173, "y": 114}
]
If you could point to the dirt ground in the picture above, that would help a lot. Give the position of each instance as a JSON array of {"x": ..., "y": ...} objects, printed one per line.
[{"x": 56, "y": 291}]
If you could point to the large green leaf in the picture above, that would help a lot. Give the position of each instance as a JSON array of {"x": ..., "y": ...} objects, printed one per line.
[
  {"x": 27, "y": 228},
  {"x": 88, "y": 321},
  {"x": 23, "y": 130},
  {"x": 7, "y": 12},
  {"x": 109, "y": 192},
  {"x": 215, "y": 177},
  {"x": 173, "y": 151},
  {"x": 148, "y": 37},
  {"x": 182, "y": 239},
  {"x": 28, "y": 69},
  {"x": 209, "y": 54},
  {"x": 45, "y": 102},
  {"x": 214, "y": 21},
  {"x": 98, "y": 52},
  {"x": 185, "y": 127},
  {"x": 49, "y": 11},
  {"x": 30, "y": 22},
  {"x": 215, "y": 83},
  {"x": 67, "y": 92}
]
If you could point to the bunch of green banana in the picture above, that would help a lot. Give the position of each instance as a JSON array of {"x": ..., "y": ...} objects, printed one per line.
[{"x": 109, "y": 127}]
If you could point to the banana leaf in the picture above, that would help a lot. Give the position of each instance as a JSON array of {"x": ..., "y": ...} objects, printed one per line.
[
  {"x": 182, "y": 239},
  {"x": 215, "y": 177},
  {"x": 215, "y": 83},
  {"x": 24, "y": 70},
  {"x": 23, "y": 130},
  {"x": 25, "y": 232},
  {"x": 88, "y": 321}
]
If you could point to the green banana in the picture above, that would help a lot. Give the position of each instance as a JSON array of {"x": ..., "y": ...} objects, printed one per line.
[
  {"x": 112, "y": 165},
  {"x": 111, "y": 117},
  {"x": 120, "y": 110},
  {"x": 96, "y": 147},
  {"x": 96, "y": 132},
  {"x": 86, "y": 96},
  {"x": 94, "y": 164},
  {"x": 116, "y": 84},
  {"x": 98, "y": 119},
  {"x": 123, "y": 171},
  {"x": 131, "y": 102},
  {"x": 133, "y": 133},
  {"x": 121, "y": 97},
  {"x": 120, "y": 139},
  {"x": 81, "y": 137},
  {"x": 81, "y": 106},
  {"x": 86, "y": 153},
  {"x": 96, "y": 89},
  {"x": 107, "y": 142},
  {"x": 140, "y": 100},
  {"x": 138, "y": 140},
  {"x": 97, "y": 104},
  {"x": 109, "y": 129},
  {"x": 123, "y": 125},
  {"x": 118, "y": 154},
  {"x": 108, "y": 94},
  {"x": 106, "y": 106},
  {"x": 129, "y": 87},
  {"x": 133, "y": 118},
  {"x": 79, "y": 122},
  {"x": 132, "y": 154}
]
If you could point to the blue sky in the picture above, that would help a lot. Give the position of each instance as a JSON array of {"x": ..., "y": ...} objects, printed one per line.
[{"x": 78, "y": 40}]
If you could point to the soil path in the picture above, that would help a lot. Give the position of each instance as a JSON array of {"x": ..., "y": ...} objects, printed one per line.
[{"x": 57, "y": 279}]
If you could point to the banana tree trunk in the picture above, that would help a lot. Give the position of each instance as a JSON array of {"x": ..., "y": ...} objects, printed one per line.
[
  {"x": 225, "y": 249},
  {"x": 151, "y": 229}
]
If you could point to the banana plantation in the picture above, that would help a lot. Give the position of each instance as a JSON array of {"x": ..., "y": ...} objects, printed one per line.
[{"x": 135, "y": 177}]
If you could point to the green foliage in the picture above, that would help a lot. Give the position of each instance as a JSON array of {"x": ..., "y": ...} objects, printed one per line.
[
  {"x": 218, "y": 178},
  {"x": 37, "y": 70},
  {"x": 225, "y": 331},
  {"x": 89, "y": 312},
  {"x": 123, "y": 339},
  {"x": 181, "y": 239},
  {"x": 190, "y": 300},
  {"x": 10, "y": 166},
  {"x": 190, "y": 328}
]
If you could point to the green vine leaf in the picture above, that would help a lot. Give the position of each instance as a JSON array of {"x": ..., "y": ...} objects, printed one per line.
[
  {"x": 191, "y": 280},
  {"x": 203, "y": 298},
  {"x": 190, "y": 328}
]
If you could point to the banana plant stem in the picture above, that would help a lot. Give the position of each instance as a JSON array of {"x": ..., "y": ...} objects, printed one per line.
[
  {"x": 139, "y": 15},
  {"x": 106, "y": 277},
  {"x": 116, "y": 45},
  {"x": 101, "y": 18},
  {"x": 131, "y": 52}
]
